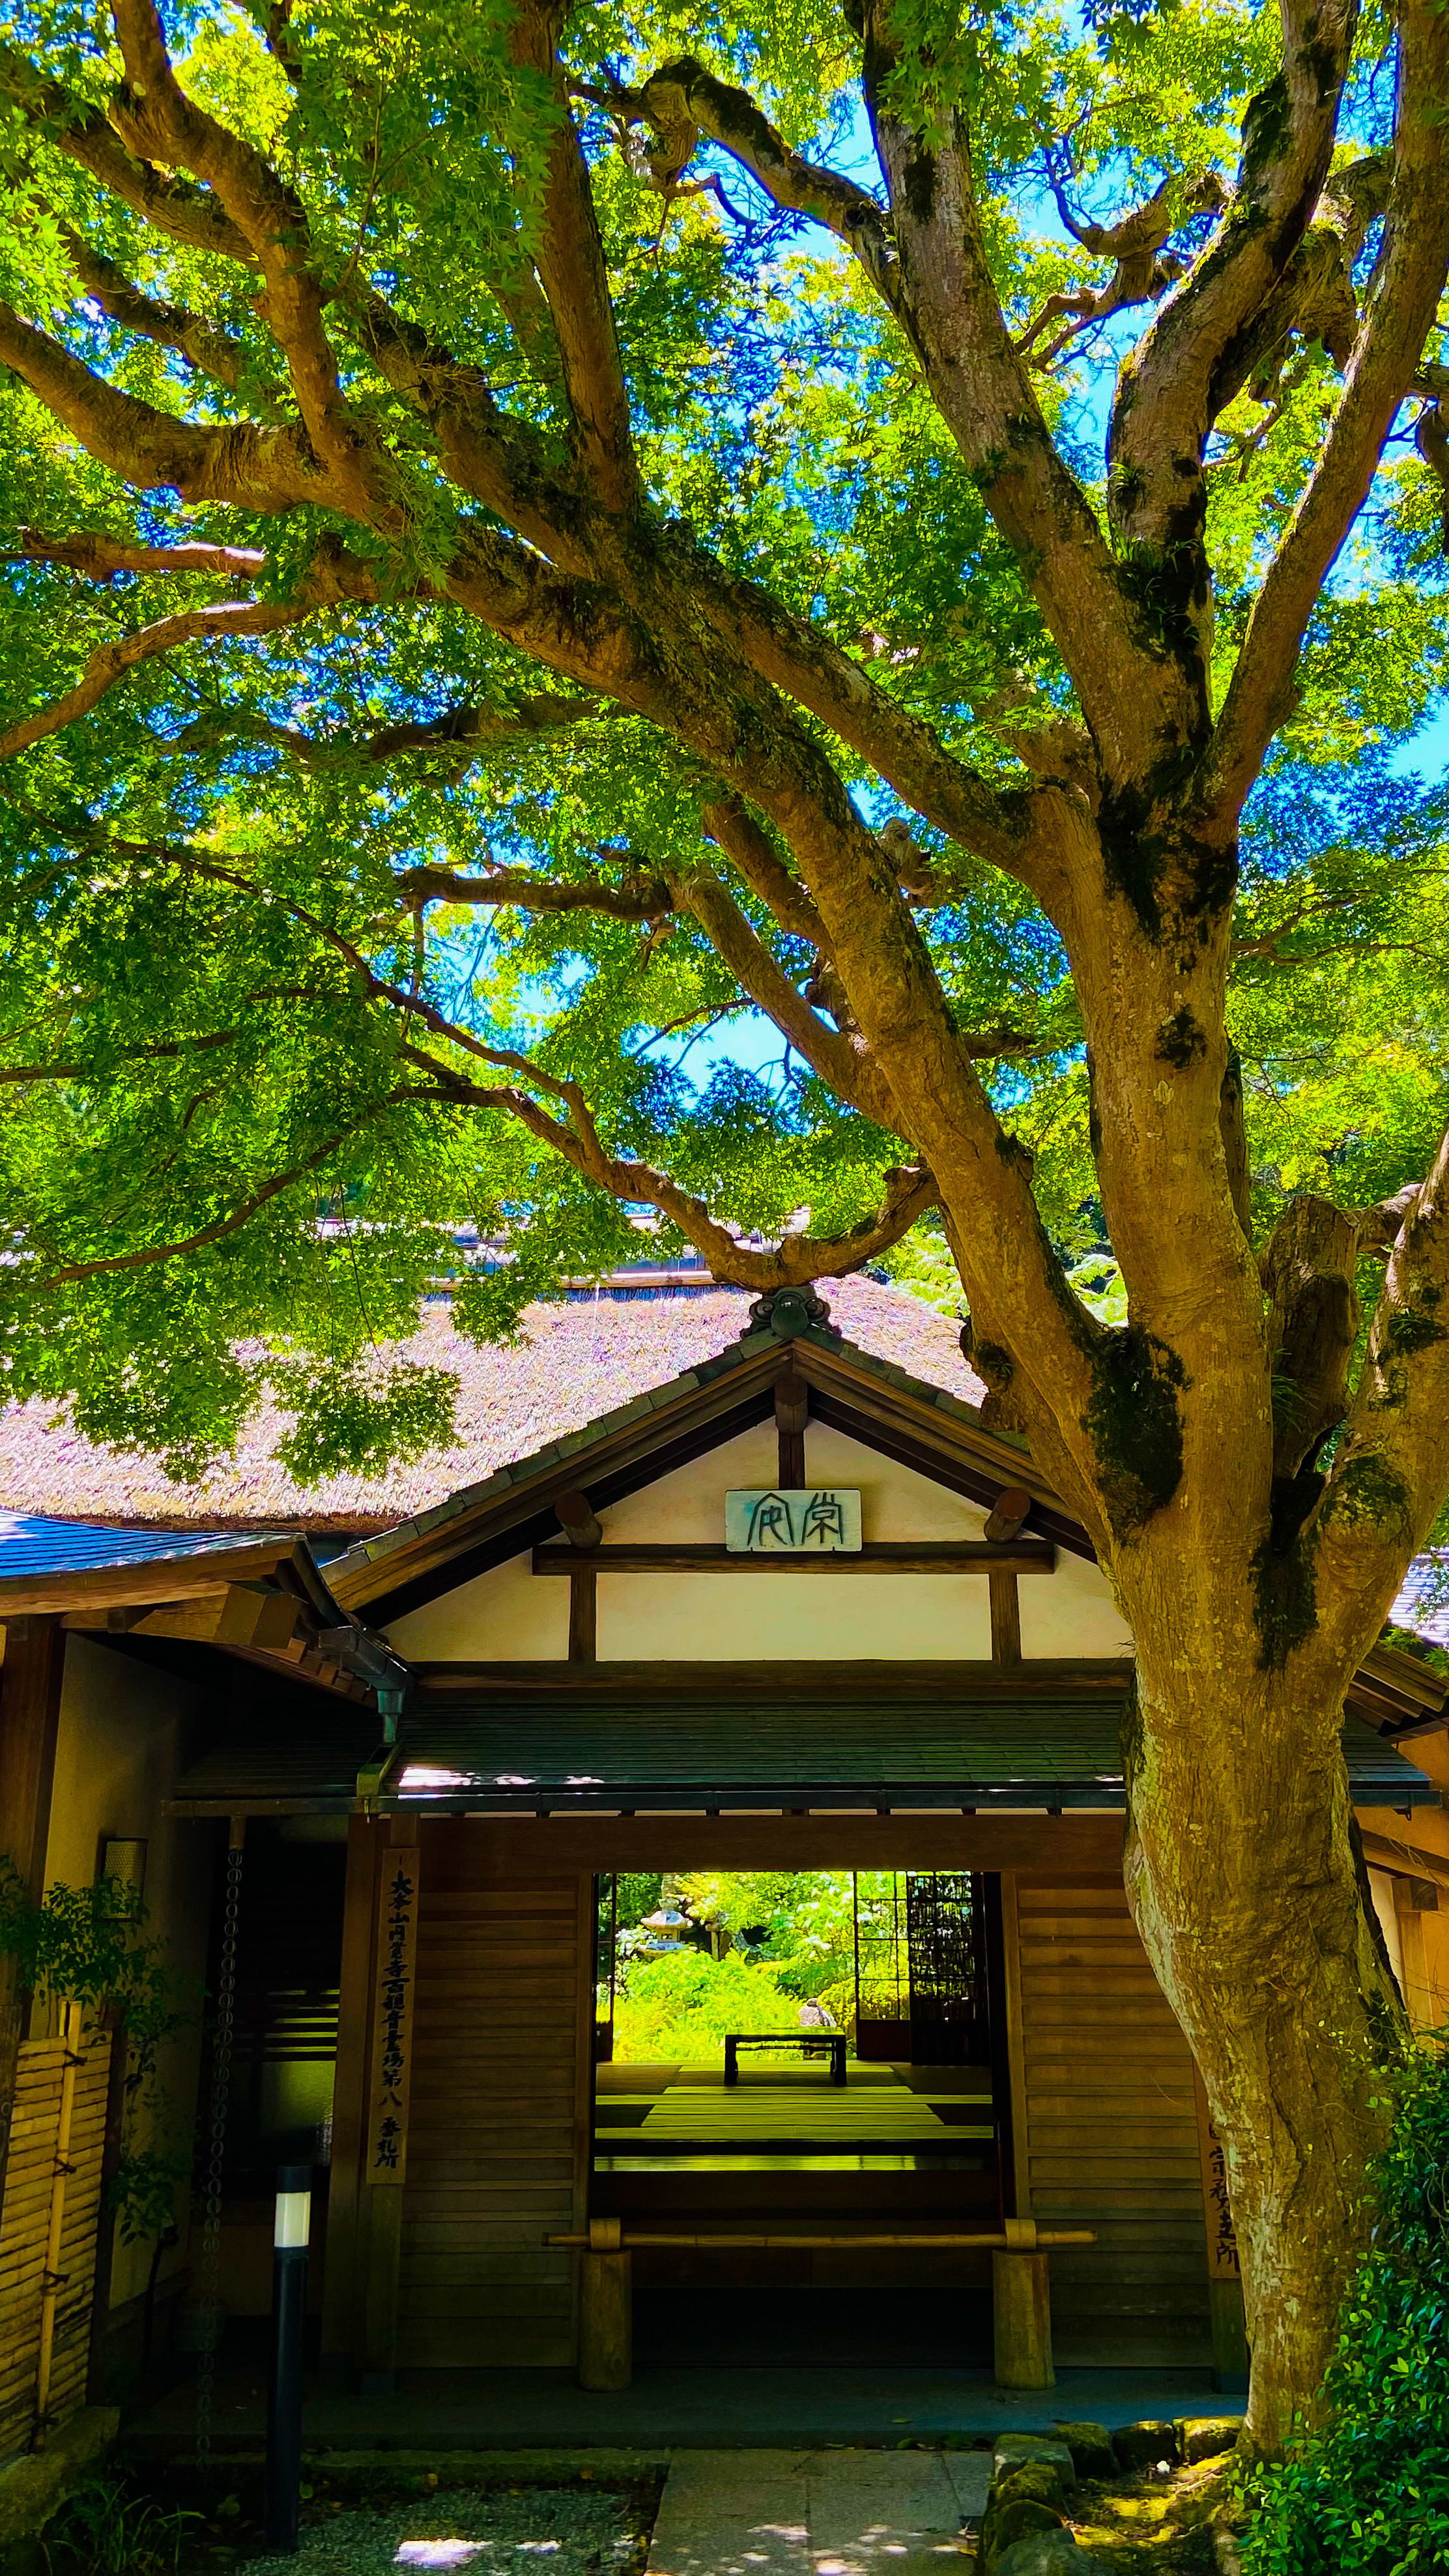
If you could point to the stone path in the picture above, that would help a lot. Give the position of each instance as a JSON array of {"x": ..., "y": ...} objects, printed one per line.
[{"x": 817, "y": 2513}]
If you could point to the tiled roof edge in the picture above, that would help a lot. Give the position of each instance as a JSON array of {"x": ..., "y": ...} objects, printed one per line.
[
  {"x": 653, "y": 1400},
  {"x": 658, "y": 1400}
]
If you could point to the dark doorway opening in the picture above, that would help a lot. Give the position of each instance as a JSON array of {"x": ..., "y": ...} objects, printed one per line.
[
  {"x": 894, "y": 1962},
  {"x": 794, "y": 2326}
]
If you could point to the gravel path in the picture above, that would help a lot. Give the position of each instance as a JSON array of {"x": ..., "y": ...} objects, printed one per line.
[{"x": 536, "y": 2531}]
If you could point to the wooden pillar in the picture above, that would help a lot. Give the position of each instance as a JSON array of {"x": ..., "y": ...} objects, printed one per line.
[
  {"x": 1228, "y": 2315},
  {"x": 583, "y": 1529},
  {"x": 1232, "y": 2352},
  {"x": 792, "y": 1412},
  {"x": 112, "y": 2143},
  {"x": 606, "y": 2309},
  {"x": 1002, "y": 1525},
  {"x": 30, "y": 1687},
  {"x": 1021, "y": 2310},
  {"x": 384, "y": 2170},
  {"x": 1016, "y": 2184},
  {"x": 1413, "y": 1899},
  {"x": 1005, "y": 1618},
  {"x": 341, "y": 2280},
  {"x": 583, "y": 1615}
]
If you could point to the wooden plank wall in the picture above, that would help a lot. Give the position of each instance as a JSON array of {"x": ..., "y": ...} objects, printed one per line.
[
  {"x": 498, "y": 2140},
  {"x": 25, "y": 2224},
  {"x": 1107, "y": 2125}
]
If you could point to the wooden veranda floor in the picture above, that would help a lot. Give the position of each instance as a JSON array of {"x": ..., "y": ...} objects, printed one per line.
[{"x": 881, "y": 2119}]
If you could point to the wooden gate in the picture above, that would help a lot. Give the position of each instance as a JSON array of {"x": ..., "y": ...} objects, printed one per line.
[
  {"x": 498, "y": 2136},
  {"x": 1105, "y": 2128},
  {"x": 50, "y": 2197}
]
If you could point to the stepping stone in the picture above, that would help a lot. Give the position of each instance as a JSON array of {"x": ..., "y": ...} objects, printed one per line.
[
  {"x": 970, "y": 2476},
  {"x": 732, "y": 2513},
  {"x": 883, "y": 2513},
  {"x": 818, "y": 2513}
]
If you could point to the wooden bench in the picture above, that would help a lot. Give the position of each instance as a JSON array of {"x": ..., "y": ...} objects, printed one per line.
[
  {"x": 811, "y": 2041},
  {"x": 1020, "y": 2298}
]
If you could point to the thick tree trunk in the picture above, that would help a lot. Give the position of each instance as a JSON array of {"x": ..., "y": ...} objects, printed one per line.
[{"x": 1243, "y": 1878}]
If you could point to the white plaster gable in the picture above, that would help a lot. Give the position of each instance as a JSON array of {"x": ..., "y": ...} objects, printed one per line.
[{"x": 512, "y": 1616}]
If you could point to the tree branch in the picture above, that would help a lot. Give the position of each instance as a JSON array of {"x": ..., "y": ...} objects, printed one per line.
[
  {"x": 928, "y": 262},
  {"x": 794, "y": 657},
  {"x": 733, "y": 828},
  {"x": 156, "y": 118},
  {"x": 213, "y": 624},
  {"x": 1411, "y": 273},
  {"x": 84, "y": 134},
  {"x": 841, "y": 1057},
  {"x": 211, "y": 352},
  {"x": 798, "y": 1258},
  {"x": 636, "y": 898},
  {"x": 467, "y": 729},
  {"x": 1168, "y": 389},
  {"x": 1136, "y": 244},
  {"x": 1380, "y": 1227},
  {"x": 258, "y": 468},
  {"x": 221, "y": 1227},
  {"x": 101, "y": 557},
  {"x": 487, "y": 452},
  {"x": 1315, "y": 298},
  {"x": 570, "y": 261},
  {"x": 1307, "y": 1269},
  {"x": 682, "y": 101}
]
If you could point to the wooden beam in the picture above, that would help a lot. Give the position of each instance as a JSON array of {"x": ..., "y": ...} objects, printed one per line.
[
  {"x": 1007, "y": 1514},
  {"x": 1005, "y": 1618},
  {"x": 583, "y": 1615},
  {"x": 1405, "y": 1678},
  {"x": 792, "y": 1412},
  {"x": 254, "y": 1615},
  {"x": 633, "y": 1456},
  {"x": 1404, "y": 1859},
  {"x": 160, "y": 1579},
  {"x": 512, "y": 1846},
  {"x": 883, "y": 1682},
  {"x": 30, "y": 1689},
  {"x": 238, "y": 1614},
  {"x": 965, "y": 1556},
  {"x": 578, "y": 1520}
]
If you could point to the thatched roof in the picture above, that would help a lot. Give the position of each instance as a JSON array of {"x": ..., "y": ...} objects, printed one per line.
[{"x": 575, "y": 1362}]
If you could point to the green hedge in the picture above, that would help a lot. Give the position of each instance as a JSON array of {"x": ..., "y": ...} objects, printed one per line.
[{"x": 1369, "y": 2494}]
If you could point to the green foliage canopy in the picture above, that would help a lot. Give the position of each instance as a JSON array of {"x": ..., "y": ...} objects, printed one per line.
[{"x": 242, "y": 881}]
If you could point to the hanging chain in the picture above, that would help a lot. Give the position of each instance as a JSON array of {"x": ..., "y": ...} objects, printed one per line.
[{"x": 208, "y": 2318}]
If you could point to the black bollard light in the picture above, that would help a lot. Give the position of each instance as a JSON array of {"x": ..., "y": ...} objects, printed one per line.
[{"x": 284, "y": 2395}]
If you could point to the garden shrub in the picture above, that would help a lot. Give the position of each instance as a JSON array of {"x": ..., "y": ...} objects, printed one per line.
[
  {"x": 102, "y": 2529},
  {"x": 681, "y": 2005},
  {"x": 1368, "y": 2493}
]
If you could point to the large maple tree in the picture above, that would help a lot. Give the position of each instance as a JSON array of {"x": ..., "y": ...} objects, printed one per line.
[{"x": 544, "y": 545}]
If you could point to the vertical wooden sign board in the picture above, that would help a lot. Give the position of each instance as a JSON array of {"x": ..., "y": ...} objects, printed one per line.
[
  {"x": 393, "y": 2012},
  {"x": 1222, "y": 2236},
  {"x": 1225, "y": 2271}
]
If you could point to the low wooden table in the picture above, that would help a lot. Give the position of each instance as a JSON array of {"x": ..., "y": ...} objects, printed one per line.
[{"x": 811, "y": 2041}]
